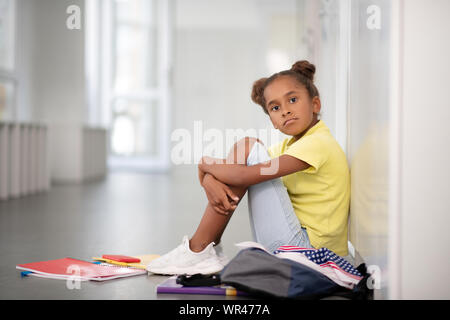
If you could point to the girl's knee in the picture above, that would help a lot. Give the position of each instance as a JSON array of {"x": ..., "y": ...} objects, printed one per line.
[
  {"x": 241, "y": 149},
  {"x": 252, "y": 140}
]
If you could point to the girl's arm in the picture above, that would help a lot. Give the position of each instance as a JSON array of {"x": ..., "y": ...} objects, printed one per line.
[
  {"x": 201, "y": 176},
  {"x": 243, "y": 175}
]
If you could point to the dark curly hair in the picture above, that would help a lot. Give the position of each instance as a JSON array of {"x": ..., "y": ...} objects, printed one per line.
[{"x": 302, "y": 71}]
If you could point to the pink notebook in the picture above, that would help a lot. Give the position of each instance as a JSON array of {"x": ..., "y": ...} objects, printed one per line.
[{"x": 69, "y": 268}]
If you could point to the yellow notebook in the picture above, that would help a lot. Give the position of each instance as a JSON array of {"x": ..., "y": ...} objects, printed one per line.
[{"x": 145, "y": 260}]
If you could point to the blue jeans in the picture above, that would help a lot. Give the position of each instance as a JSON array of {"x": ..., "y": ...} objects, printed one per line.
[{"x": 272, "y": 217}]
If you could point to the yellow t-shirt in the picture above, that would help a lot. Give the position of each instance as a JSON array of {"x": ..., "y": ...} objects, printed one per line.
[{"x": 320, "y": 194}]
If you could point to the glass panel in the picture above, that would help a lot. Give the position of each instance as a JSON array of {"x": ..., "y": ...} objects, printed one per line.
[
  {"x": 7, "y": 34},
  {"x": 135, "y": 45},
  {"x": 134, "y": 128},
  {"x": 368, "y": 143},
  {"x": 6, "y": 101},
  {"x": 369, "y": 80}
]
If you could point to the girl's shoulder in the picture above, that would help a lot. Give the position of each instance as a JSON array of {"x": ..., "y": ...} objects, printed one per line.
[{"x": 277, "y": 149}]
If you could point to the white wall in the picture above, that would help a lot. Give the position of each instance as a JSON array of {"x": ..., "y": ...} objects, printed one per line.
[
  {"x": 51, "y": 83},
  {"x": 49, "y": 63},
  {"x": 59, "y": 85},
  {"x": 25, "y": 39},
  {"x": 58, "y": 64},
  {"x": 424, "y": 203}
]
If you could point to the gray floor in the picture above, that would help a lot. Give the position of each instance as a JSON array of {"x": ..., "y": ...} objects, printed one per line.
[{"x": 124, "y": 213}]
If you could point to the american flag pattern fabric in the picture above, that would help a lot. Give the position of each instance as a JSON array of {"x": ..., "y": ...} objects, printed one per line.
[{"x": 325, "y": 261}]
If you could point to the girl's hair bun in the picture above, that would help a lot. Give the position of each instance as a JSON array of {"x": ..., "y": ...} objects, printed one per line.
[
  {"x": 305, "y": 68},
  {"x": 258, "y": 91}
]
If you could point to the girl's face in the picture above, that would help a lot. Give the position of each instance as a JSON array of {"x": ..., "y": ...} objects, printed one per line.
[{"x": 291, "y": 110}]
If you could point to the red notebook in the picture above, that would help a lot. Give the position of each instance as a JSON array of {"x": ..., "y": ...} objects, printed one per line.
[{"x": 69, "y": 268}]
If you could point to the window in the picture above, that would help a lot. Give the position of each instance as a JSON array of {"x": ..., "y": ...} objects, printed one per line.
[{"x": 133, "y": 51}]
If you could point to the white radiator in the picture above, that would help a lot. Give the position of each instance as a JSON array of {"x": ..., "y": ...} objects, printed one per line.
[{"x": 24, "y": 165}]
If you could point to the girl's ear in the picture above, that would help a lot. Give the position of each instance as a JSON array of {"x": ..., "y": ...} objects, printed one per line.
[{"x": 316, "y": 104}]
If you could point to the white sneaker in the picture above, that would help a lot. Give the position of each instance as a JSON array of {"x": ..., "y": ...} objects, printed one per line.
[
  {"x": 222, "y": 257},
  {"x": 182, "y": 260}
]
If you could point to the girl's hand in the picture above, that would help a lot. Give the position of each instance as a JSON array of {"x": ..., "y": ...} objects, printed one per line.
[
  {"x": 219, "y": 195},
  {"x": 201, "y": 173}
]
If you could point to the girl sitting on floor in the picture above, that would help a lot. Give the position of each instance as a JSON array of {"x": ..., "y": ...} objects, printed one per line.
[{"x": 298, "y": 189}]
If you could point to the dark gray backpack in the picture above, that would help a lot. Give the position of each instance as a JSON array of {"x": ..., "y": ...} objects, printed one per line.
[{"x": 260, "y": 274}]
